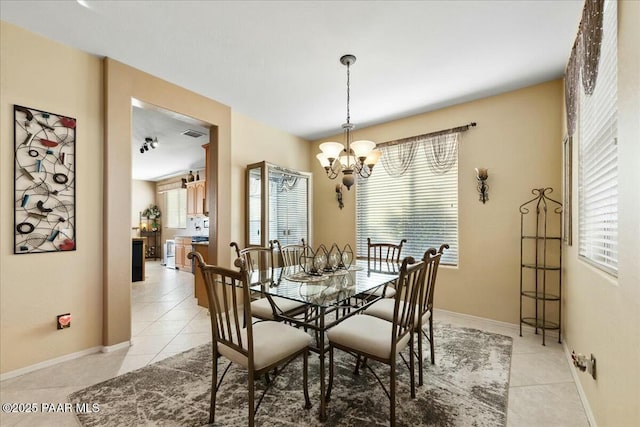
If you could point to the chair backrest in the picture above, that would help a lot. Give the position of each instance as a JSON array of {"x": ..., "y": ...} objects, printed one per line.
[
  {"x": 388, "y": 252},
  {"x": 256, "y": 258},
  {"x": 432, "y": 260},
  {"x": 227, "y": 317},
  {"x": 291, "y": 254},
  {"x": 407, "y": 289}
]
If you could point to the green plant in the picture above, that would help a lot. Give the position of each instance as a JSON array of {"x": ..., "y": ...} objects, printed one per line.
[{"x": 151, "y": 212}]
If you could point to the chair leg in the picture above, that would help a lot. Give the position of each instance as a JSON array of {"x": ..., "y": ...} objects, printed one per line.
[
  {"x": 330, "y": 384},
  {"x": 356, "y": 371},
  {"x": 214, "y": 381},
  {"x": 307, "y": 402},
  {"x": 420, "y": 361},
  {"x": 412, "y": 365},
  {"x": 252, "y": 408},
  {"x": 433, "y": 353},
  {"x": 392, "y": 394}
]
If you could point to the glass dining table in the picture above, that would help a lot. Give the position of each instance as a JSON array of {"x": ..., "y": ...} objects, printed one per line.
[{"x": 331, "y": 298}]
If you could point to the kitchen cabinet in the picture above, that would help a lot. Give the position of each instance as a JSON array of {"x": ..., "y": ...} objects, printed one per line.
[
  {"x": 277, "y": 205},
  {"x": 207, "y": 156},
  {"x": 183, "y": 247},
  {"x": 196, "y": 192}
]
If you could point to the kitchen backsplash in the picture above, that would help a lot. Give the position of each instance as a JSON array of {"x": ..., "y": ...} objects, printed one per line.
[{"x": 196, "y": 226}]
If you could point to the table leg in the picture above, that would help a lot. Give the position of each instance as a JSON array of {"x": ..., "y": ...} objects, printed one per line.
[{"x": 320, "y": 343}]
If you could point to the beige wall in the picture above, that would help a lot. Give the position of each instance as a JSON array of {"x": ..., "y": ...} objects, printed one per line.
[
  {"x": 143, "y": 194},
  {"x": 45, "y": 75},
  {"x": 602, "y": 312},
  {"x": 519, "y": 139},
  {"x": 254, "y": 142}
]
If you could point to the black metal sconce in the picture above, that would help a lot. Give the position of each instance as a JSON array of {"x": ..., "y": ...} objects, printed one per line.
[
  {"x": 339, "y": 195},
  {"x": 483, "y": 188}
]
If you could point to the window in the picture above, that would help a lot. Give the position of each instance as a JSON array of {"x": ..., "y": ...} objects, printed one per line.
[
  {"x": 420, "y": 206},
  {"x": 598, "y": 157},
  {"x": 176, "y": 208}
]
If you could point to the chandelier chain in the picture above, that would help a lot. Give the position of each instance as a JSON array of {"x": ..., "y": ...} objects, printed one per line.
[{"x": 348, "y": 94}]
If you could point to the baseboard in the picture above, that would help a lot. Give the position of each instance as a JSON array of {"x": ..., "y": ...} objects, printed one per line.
[
  {"x": 50, "y": 362},
  {"x": 115, "y": 347},
  {"x": 513, "y": 326},
  {"x": 583, "y": 396},
  {"x": 61, "y": 359}
]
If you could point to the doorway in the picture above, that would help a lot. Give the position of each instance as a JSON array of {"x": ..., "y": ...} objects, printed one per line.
[{"x": 122, "y": 84}]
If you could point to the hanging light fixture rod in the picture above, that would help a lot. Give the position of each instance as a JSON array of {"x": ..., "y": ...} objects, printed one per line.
[{"x": 359, "y": 156}]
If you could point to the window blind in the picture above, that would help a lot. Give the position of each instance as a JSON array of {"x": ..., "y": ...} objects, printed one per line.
[
  {"x": 288, "y": 216},
  {"x": 419, "y": 206},
  {"x": 176, "y": 208},
  {"x": 598, "y": 156}
]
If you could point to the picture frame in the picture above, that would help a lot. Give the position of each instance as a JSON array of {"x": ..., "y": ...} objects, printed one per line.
[
  {"x": 44, "y": 181},
  {"x": 567, "y": 189}
]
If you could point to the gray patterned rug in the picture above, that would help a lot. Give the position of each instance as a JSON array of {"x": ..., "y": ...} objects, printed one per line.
[{"x": 467, "y": 386}]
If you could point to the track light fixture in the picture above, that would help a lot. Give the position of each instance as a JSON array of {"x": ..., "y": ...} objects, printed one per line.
[{"x": 149, "y": 142}]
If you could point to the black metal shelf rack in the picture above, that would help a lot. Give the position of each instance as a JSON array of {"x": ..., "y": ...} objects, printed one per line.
[{"x": 541, "y": 263}]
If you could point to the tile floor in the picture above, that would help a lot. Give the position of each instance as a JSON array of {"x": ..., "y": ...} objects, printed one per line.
[{"x": 166, "y": 320}]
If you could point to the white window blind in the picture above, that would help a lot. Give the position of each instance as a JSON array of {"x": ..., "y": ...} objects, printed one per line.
[
  {"x": 288, "y": 201},
  {"x": 419, "y": 206},
  {"x": 598, "y": 157},
  {"x": 176, "y": 208}
]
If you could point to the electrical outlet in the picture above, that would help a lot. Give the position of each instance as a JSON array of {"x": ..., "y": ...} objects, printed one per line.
[
  {"x": 63, "y": 321},
  {"x": 591, "y": 367},
  {"x": 585, "y": 364}
]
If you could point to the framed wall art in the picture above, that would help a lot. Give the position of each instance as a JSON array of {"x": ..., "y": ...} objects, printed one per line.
[{"x": 44, "y": 170}]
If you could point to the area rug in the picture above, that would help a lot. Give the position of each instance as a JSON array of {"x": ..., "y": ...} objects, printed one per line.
[{"x": 467, "y": 386}]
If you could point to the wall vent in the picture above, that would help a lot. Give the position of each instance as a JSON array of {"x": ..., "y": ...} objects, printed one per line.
[{"x": 192, "y": 133}]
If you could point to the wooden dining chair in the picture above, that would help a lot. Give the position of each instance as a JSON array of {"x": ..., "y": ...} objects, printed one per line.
[
  {"x": 370, "y": 337},
  {"x": 266, "y": 307},
  {"x": 424, "y": 311},
  {"x": 259, "y": 348}
]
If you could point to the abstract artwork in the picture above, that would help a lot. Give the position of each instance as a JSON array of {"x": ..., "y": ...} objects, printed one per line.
[{"x": 45, "y": 177}]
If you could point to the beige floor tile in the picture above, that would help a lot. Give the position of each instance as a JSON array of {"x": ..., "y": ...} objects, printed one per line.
[
  {"x": 550, "y": 405},
  {"x": 152, "y": 344},
  {"x": 164, "y": 327},
  {"x": 539, "y": 368},
  {"x": 185, "y": 342}
]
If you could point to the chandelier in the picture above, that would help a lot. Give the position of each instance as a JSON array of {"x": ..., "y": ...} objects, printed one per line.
[{"x": 357, "y": 157}]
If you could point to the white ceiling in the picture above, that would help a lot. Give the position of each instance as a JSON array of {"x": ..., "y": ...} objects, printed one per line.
[
  {"x": 278, "y": 61},
  {"x": 176, "y": 154}
]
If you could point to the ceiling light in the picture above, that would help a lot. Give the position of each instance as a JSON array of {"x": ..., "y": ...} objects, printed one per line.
[
  {"x": 358, "y": 156},
  {"x": 149, "y": 142}
]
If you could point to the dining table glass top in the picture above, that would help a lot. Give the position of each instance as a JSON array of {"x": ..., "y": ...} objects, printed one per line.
[{"x": 329, "y": 289}]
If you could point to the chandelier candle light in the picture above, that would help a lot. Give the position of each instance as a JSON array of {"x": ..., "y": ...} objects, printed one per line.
[{"x": 358, "y": 156}]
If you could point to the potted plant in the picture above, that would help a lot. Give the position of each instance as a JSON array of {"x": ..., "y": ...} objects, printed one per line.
[{"x": 151, "y": 212}]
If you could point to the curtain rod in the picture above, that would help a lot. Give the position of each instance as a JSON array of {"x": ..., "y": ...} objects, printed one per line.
[{"x": 427, "y": 135}]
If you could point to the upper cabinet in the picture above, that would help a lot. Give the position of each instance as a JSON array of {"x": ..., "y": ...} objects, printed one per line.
[
  {"x": 196, "y": 192},
  {"x": 277, "y": 205}
]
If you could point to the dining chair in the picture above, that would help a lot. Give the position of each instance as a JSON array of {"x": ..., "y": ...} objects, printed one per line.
[
  {"x": 424, "y": 311},
  {"x": 260, "y": 259},
  {"x": 374, "y": 338},
  {"x": 259, "y": 348},
  {"x": 383, "y": 258},
  {"x": 290, "y": 254}
]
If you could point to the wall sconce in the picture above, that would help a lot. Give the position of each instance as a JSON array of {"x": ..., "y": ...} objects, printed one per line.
[
  {"x": 339, "y": 195},
  {"x": 483, "y": 188}
]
